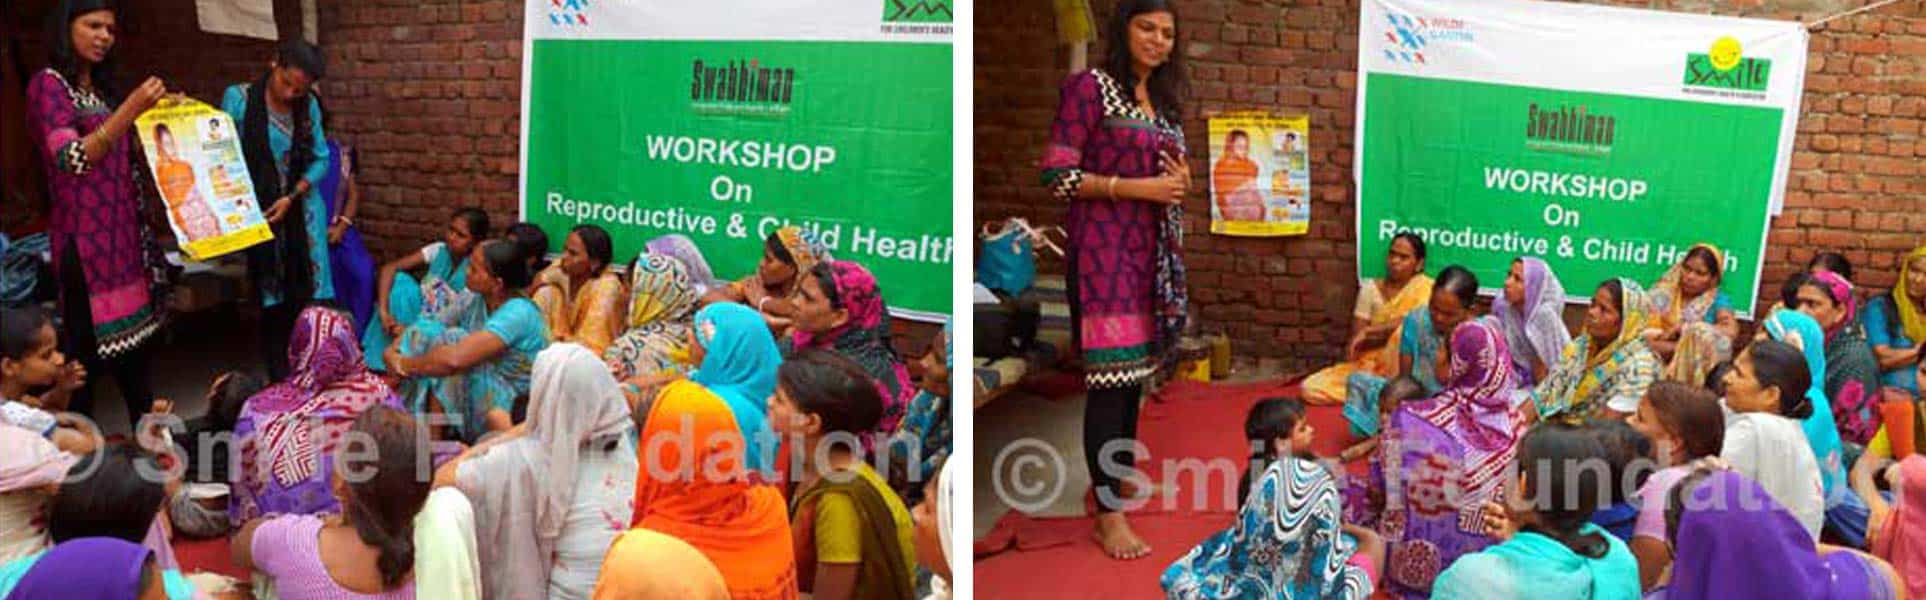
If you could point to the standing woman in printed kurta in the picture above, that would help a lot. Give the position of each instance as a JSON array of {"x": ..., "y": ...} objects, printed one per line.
[
  {"x": 287, "y": 157},
  {"x": 1116, "y": 156},
  {"x": 97, "y": 232}
]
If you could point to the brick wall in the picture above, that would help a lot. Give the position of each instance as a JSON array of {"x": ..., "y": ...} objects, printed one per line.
[{"x": 1856, "y": 185}]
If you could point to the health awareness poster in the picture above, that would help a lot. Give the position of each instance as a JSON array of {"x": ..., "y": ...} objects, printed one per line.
[
  {"x": 724, "y": 120},
  {"x": 195, "y": 157}
]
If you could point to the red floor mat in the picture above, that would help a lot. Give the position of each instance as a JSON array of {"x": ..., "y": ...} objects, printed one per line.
[{"x": 1054, "y": 558}]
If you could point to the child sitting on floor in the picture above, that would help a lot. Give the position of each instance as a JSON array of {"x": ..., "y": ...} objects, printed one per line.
[
  {"x": 207, "y": 460},
  {"x": 1398, "y": 391},
  {"x": 30, "y": 359}
]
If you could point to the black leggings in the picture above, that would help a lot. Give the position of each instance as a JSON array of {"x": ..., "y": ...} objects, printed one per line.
[
  {"x": 1109, "y": 415},
  {"x": 129, "y": 370}
]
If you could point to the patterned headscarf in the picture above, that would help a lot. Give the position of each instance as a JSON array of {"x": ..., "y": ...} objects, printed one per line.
[
  {"x": 1837, "y": 287},
  {"x": 662, "y": 296},
  {"x": 1475, "y": 407},
  {"x": 1911, "y": 321},
  {"x": 864, "y": 337},
  {"x": 1578, "y": 373},
  {"x": 803, "y": 247},
  {"x": 684, "y": 250},
  {"x": 1670, "y": 307}
]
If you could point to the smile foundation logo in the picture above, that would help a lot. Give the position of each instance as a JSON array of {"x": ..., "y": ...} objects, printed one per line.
[{"x": 1725, "y": 70}]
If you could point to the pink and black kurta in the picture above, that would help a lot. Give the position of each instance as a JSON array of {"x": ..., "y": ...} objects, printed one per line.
[{"x": 1126, "y": 272}]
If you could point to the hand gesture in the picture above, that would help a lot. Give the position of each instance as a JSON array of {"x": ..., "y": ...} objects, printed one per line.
[
  {"x": 1498, "y": 521},
  {"x": 277, "y": 210},
  {"x": 389, "y": 324},
  {"x": 144, "y": 96},
  {"x": 73, "y": 376}
]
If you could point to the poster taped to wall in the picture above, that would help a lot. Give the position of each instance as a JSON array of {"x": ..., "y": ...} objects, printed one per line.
[
  {"x": 197, "y": 166},
  {"x": 1260, "y": 174}
]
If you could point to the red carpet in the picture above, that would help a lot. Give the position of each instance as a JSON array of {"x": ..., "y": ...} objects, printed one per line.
[
  {"x": 1055, "y": 558},
  {"x": 206, "y": 555}
]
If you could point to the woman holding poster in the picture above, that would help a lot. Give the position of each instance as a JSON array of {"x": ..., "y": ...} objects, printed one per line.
[
  {"x": 108, "y": 312},
  {"x": 287, "y": 157},
  {"x": 1116, "y": 156}
]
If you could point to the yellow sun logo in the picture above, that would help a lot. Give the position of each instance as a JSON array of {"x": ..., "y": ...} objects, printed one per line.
[{"x": 1725, "y": 53}]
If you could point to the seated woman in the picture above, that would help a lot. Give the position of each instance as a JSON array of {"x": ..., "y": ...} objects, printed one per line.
[
  {"x": 1549, "y": 548},
  {"x": 30, "y": 468},
  {"x": 1289, "y": 539},
  {"x": 1381, "y": 307},
  {"x": 532, "y": 242},
  {"x": 646, "y": 564},
  {"x": 1898, "y": 525},
  {"x": 287, "y": 432},
  {"x": 1685, "y": 424},
  {"x": 1852, "y": 372},
  {"x": 581, "y": 296},
  {"x": 1712, "y": 515},
  {"x": 88, "y": 568},
  {"x": 1606, "y": 369},
  {"x": 1531, "y": 312},
  {"x": 1798, "y": 330},
  {"x": 554, "y": 493},
  {"x": 447, "y": 562},
  {"x": 1420, "y": 342},
  {"x": 662, "y": 302},
  {"x": 1766, "y": 392},
  {"x": 787, "y": 255},
  {"x": 684, "y": 250},
  {"x": 367, "y": 550},
  {"x": 853, "y": 533},
  {"x": 701, "y": 493},
  {"x": 474, "y": 370},
  {"x": 1896, "y": 324},
  {"x": 400, "y": 300},
  {"x": 924, "y": 433},
  {"x": 735, "y": 359},
  {"x": 839, "y": 308},
  {"x": 1692, "y": 319},
  {"x": 1626, "y": 452},
  {"x": 1451, "y": 451},
  {"x": 933, "y": 528},
  {"x": 104, "y": 495}
]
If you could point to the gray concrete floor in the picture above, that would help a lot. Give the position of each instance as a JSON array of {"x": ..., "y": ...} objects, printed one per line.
[{"x": 186, "y": 357}]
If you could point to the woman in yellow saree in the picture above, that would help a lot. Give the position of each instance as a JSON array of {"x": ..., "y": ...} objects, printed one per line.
[
  {"x": 1693, "y": 323},
  {"x": 1381, "y": 307},
  {"x": 580, "y": 296}
]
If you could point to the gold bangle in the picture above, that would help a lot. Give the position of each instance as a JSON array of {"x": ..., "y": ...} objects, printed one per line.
[{"x": 1111, "y": 188}]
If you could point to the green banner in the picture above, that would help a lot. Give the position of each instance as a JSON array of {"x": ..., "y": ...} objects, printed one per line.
[
  {"x": 725, "y": 141},
  {"x": 1600, "y": 185}
]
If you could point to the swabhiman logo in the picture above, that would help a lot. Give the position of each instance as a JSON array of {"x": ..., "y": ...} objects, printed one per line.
[
  {"x": 1569, "y": 129},
  {"x": 917, "y": 11},
  {"x": 1726, "y": 71},
  {"x": 741, "y": 86},
  {"x": 568, "y": 13}
]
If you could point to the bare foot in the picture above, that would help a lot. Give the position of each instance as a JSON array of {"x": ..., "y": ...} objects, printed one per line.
[{"x": 1117, "y": 539}]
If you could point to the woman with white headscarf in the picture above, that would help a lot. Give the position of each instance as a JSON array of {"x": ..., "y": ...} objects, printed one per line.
[
  {"x": 933, "y": 521},
  {"x": 554, "y": 491}
]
